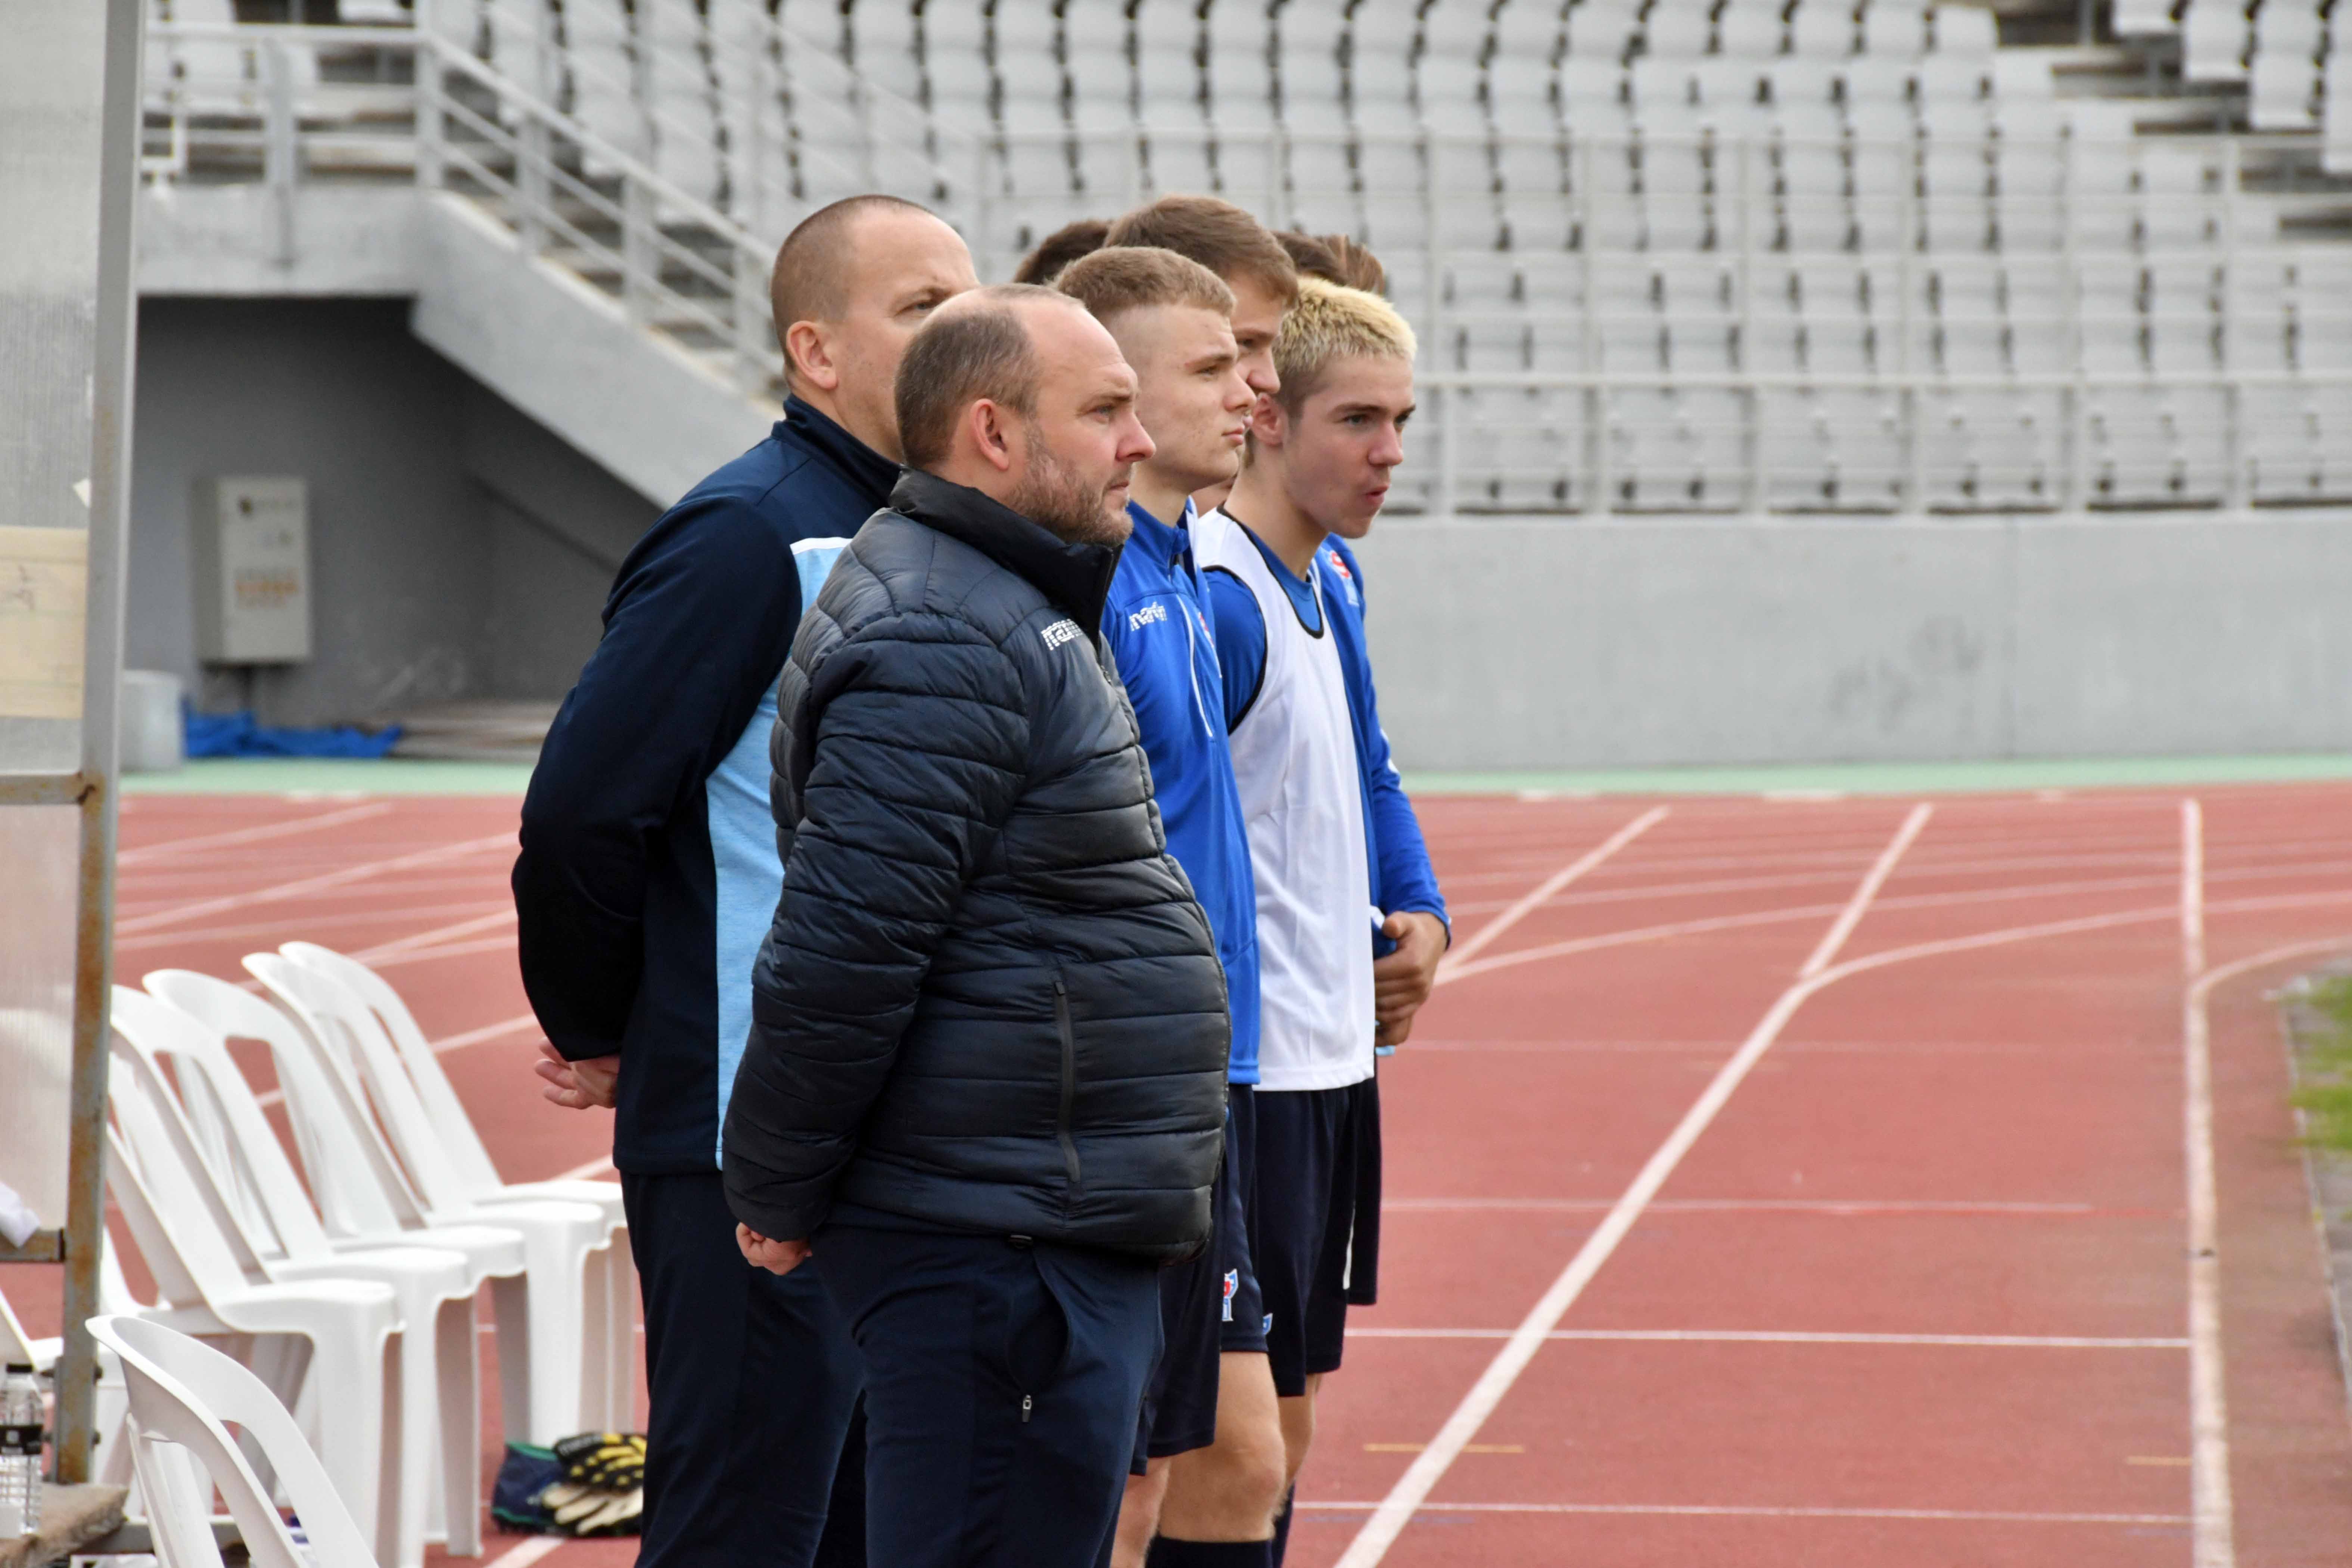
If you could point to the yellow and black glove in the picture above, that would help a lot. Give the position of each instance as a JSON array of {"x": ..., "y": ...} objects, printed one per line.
[{"x": 603, "y": 1489}]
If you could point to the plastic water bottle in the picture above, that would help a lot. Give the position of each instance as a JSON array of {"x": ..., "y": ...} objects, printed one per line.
[{"x": 20, "y": 1453}]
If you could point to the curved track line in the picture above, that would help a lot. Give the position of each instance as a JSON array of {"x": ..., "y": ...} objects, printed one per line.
[
  {"x": 2209, "y": 1416},
  {"x": 1388, "y": 1521},
  {"x": 1550, "y": 885}
]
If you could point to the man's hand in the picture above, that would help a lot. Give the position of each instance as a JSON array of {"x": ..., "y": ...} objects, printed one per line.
[
  {"x": 776, "y": 1257},
  {"x": 576, "y": 1086},
  {"x": 1401, "y": 982}
]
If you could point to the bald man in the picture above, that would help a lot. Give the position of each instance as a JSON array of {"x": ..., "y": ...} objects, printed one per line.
[
  {"x": 649, "y": 872},
  {"x": 985, "y": 1083}
]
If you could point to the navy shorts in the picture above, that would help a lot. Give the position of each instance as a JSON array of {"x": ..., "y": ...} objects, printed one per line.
[
  {"x": 1315, "y": 1226},
  {"x": 1206, "y": 1307}
]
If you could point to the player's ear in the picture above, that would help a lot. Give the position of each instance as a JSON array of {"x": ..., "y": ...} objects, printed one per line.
[
  {"x": 1268, "y": 424},
  {"x": 990, "y": 429},
  {"x": 811, "y": 353}
]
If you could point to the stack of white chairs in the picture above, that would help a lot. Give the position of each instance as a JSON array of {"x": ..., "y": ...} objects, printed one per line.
[
  {"x": 573, "y": 1233},
  {"x": 177, "y": 1186},
  {"x": 184, "y": 1397},
  {"x": 339, "y": 1338},
  {"x": 565, "y": 1339}
]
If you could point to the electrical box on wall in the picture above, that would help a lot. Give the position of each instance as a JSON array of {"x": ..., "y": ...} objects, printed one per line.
[{"x": 253, "y": 570}]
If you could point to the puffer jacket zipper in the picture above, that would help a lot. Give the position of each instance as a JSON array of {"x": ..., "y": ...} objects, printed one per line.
[{"x": 1069, "y": 1085}]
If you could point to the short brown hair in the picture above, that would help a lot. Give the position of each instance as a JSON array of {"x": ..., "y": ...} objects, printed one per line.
[
  {"x": 1133, "y": 276},
  {"x": 1059, "y": 248},
  {"x": 811, "y": 280},
  {"x": 1336, "y": 259},
  {"x": 975, "y": 351},
  {"x": 1217, "y": 234}
]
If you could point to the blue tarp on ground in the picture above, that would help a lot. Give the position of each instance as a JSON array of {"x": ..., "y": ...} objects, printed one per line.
[{"x": 239, "y": 734}]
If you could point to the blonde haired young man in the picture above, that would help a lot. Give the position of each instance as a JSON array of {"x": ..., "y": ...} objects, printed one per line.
[{"x": 1337, "y": 854}]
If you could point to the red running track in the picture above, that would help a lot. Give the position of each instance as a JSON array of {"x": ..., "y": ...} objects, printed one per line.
[{"x": 1769, "y": 1181}]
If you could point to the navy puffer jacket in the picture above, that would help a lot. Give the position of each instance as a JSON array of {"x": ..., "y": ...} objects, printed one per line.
[{"x": 988, "y": 1001}]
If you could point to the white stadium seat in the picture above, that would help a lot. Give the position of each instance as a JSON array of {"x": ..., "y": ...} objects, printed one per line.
[{"x": 1900, "y": 197}]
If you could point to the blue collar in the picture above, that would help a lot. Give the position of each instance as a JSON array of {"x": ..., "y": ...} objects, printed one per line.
[
  {"x": 1158, "y": 540},
  {"x": 871, "y": 471}
]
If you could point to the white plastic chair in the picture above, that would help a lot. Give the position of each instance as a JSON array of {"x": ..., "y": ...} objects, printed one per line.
[
  {"x": 437, "y": 1285},
  {"x": 183, "y": 1395},
  {"x": 363, "y": 1002},
  {"x": 366, "y": 1198},
  {"x": 376, "y": 997},
  {"x": 350, "y": 1326},
  {"x": 579, "y": 1312}
]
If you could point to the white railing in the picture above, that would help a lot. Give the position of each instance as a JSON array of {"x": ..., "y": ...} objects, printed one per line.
[{"x": 287, "y": 105}]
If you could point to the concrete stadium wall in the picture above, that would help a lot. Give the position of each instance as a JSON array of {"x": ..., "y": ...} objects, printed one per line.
[
  {"x": 458, "y": 549},
  {"x": 1540, "y": 643}
]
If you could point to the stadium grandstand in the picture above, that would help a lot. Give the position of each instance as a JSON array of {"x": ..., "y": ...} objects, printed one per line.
[{"x": 1673, "y": 257}]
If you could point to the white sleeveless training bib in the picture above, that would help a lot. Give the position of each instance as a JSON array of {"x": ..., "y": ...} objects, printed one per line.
[{"x": 1301, "y": 790}]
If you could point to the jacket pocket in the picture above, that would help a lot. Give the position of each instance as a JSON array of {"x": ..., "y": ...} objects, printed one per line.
[{"x": 1068, "y": 1108}]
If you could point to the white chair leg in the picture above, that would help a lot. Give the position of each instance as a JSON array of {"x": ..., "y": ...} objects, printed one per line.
[
  {"x": 358, "y": 1375},
  {"x": 558, "y": 1311},
  {"x": 510, "y": 1310},
  {"x": 458, "y": 1497}
]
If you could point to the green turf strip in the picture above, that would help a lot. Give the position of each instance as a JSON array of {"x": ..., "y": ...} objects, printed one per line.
[
  {"x": 392, "y": 775},
  {"x": 1896, "y": 778},
  {"x": 319, "y": 775}
]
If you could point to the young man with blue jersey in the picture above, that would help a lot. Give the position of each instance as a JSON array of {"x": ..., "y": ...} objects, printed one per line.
[
  {"x": 1337, "y": 854},
  {"x": 650, "y": 875},
  {"x": 1171, "y": 318}
]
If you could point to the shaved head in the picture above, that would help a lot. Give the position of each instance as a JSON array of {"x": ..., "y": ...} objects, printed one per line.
[
  {"x": 811, "y": 282},
  {"x": 850, "y": 286}
]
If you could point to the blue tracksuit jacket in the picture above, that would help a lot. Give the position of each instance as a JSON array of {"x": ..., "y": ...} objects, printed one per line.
[
  {"x": 648, "y": 875},
  {"x": 1398, "y": 855},
  {"x": 1157, "y": 623}
]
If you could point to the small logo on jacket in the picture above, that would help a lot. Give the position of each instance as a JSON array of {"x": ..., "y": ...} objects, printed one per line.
[
  {"x": 1346, "y": 578},
  {"x": 1061, "y": 632},
  {"x": 1154, "y": 611},
  {"x": 1233, "y": 1285}
]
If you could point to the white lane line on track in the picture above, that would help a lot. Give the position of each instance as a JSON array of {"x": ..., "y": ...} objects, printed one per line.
[
  {"x": 596, "y": 1167},
  {"x": 320, "y": 883},
  {"x": 2209, "y": 1416},
  {"x": 1790, "y": 1337},
  {"x": 530, "y": 1551},
  {"x": 1831, "y": 1207},
  {"x": 1485, "y": 934},
  {"x": 170, "y": 846},
  {"x": 438, "y": 935},
  {"x": 1703, "y": 1511},
  {"x": 1380, "y": 1531},
  {"x": 448, "y": 950},
  {"x": 2208, "y": 1421},
  {"x": 2167, "y": 911}
]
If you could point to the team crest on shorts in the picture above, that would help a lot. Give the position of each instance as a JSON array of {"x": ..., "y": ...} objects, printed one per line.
[{"x": 1233, "y": 1285}]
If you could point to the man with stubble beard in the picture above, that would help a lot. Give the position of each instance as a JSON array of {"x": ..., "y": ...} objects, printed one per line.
[{"x": 985, "y": 1084}]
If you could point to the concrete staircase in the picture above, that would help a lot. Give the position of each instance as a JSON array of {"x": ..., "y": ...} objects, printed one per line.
[{"x": 624, "y": 316}]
